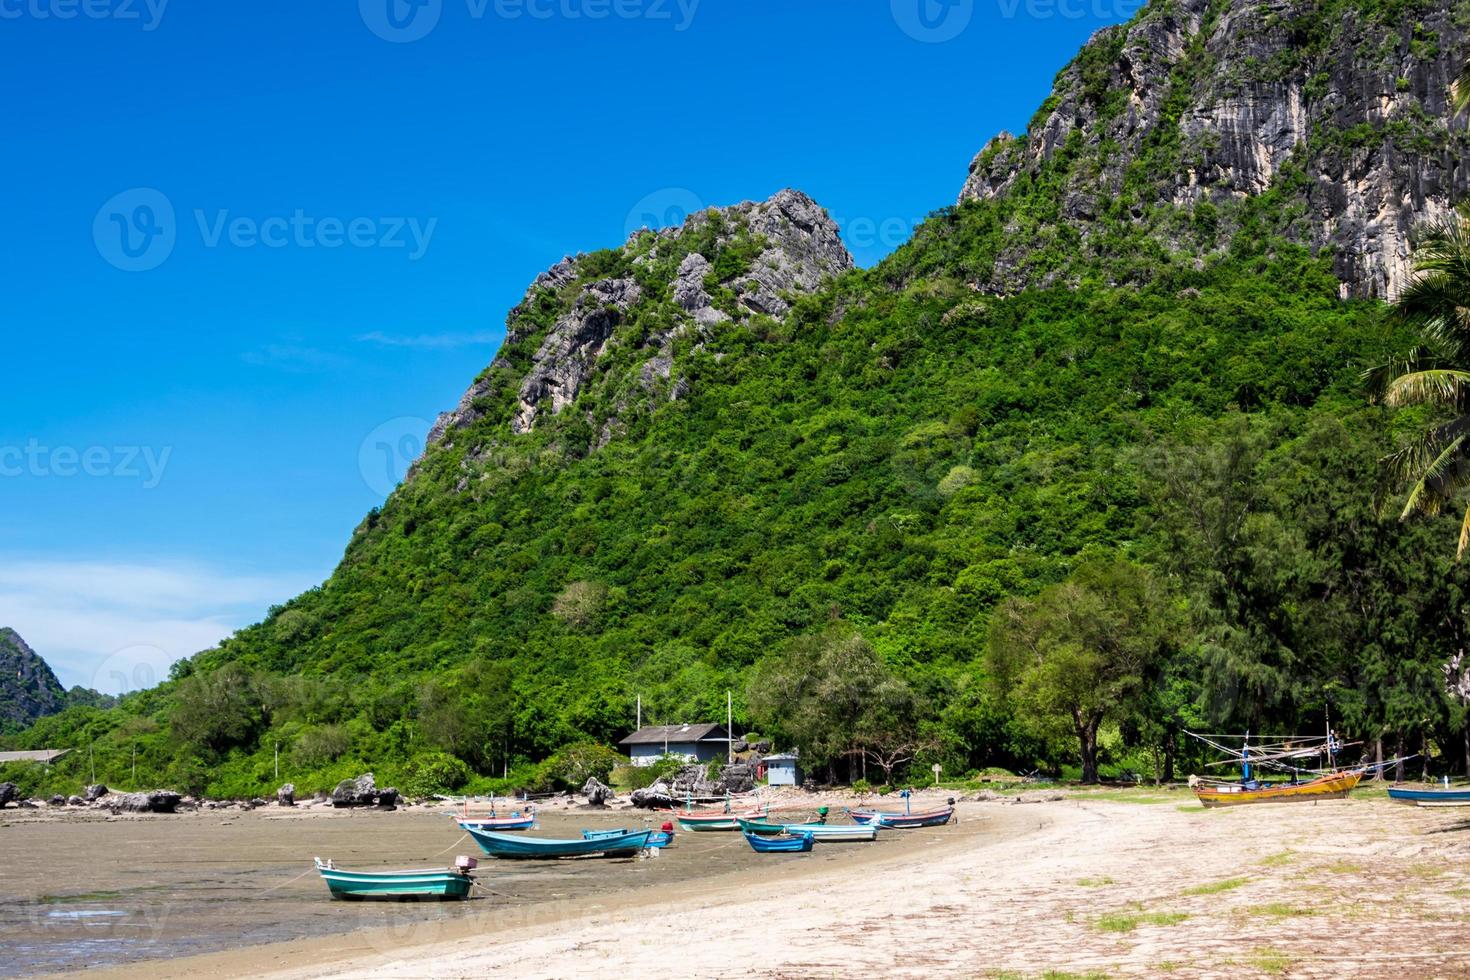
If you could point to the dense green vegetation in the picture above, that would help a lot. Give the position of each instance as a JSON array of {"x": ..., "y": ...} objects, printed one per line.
[
  {"x": 909, "y": 523},
  {"x": 884, "y": 469}
]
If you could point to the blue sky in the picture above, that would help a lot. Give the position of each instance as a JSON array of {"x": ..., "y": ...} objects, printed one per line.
[{"x": 251, "y": 249}]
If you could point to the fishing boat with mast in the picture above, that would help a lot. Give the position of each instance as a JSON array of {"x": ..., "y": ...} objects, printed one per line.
[{"x": 1287, "y": 754}]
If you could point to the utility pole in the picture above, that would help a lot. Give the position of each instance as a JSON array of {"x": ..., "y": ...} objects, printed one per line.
[
  {"x": 135, "y": 765},
  {"x": 278, "y": 760},
  {"x": 729, "y": 728},
  {"x": 639, "y": 726}
]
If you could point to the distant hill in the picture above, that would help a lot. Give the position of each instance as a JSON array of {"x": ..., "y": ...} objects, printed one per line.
[{"x": 28, "y": 688}]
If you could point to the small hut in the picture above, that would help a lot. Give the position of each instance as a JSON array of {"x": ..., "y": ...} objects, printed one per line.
[
  {"x": 782, "y": 770},
  {"x": 696, "y": 743}
]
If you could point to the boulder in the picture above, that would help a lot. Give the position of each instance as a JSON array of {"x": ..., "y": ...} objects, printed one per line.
[
  {"x": 158, "y": 801},
  {"x": 94, "y": 793},
  {"x": 58, "y": 800},
  {"x": 596, "y": 792},
  {"x": 286, "y": 795},
  {"x": 362, "y": 791},
  {"x": 655, "y": 797},
  {"x": 75, "y": 801},
  {"x": 740, "y": 745},
  {"x": 737, "y": 778},
  {"x": 387, "y": 799},
  {"x": 8, "y": 792},
  {"x": 763, "y": 747}
]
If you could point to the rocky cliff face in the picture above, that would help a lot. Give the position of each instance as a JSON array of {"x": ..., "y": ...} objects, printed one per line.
[
  {"x": 610, "y": 325},
  {"x": 1173, "y": 123},
  {"x": 28, "y": 688}
]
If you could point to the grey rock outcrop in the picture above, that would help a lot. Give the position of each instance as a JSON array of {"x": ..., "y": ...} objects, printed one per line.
[
  {"x": 597, "y": 792},
  {"x": 656, "y": 797},
  {"x": 157, "y": 801},
  {"x": 94, "y": 793},
  {"x": 8, "y": 792},
  {"x": 286, "y": 795},
  {"x": 1352, "y": 130},
  {"x": 799, "y": 249},
  {"x": 364, "y": 791}
]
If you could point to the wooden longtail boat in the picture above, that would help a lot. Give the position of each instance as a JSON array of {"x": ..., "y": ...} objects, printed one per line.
[
  {"x": 903, "y": 821},
  {"x": 443, "y": 883},
  {"x": 784, "y": 844},
  {"x": 517, "y": 847},
  {"x": 1335, "y": 786},
  {"x": 830, "y": 833},
  {"x": 1430, "y": 797}
]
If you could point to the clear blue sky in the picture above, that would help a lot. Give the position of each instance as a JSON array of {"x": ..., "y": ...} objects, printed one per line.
[{"x": 198, "y": 407}]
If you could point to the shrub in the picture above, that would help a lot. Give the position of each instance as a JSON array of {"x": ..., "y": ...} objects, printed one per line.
[{"x": 434, "y": 772}]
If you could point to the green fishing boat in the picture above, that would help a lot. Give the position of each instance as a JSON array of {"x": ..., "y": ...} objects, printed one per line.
[{"x": 442, "y": 883}]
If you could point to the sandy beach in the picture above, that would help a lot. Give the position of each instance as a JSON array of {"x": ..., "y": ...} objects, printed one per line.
[{"x": 1145, "y": 885}]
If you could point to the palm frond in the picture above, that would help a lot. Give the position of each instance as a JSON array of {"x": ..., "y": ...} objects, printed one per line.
[
  {"x": 1443, "y": 386},
  {"x": 1441, "y": 480},
  {"x": 1464, "y": 536},
  {"x": 1460, "y": 89},
  {"x": 1378, "y": 379}
]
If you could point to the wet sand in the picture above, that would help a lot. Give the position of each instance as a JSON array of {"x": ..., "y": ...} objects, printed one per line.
[
  {"x": 1087, "y": 887},
  {"x": 87, "y": 891}
]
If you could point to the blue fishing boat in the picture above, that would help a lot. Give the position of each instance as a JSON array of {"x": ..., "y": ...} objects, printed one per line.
[
  {"x": 834, "y": 833},
  {"x": 903, "y": 821},
  {"x": 782, "y": 844},
  {"x": 442, "y": 883},
  {"x": 519, "y": 847},
  {"x": 1431, "y": 797},
  {"x": 658, "y": 839}
]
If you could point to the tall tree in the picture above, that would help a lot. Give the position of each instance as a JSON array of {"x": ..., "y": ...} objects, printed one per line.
[{"x": 1083, "y": 651}]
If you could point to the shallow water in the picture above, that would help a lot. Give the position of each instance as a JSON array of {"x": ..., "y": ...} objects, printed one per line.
[{"x": 86, "y": 891}]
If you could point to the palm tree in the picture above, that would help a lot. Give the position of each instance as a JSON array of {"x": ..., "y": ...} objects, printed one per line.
[
  {"x": 1460, "y": 90},
  {"x": 1436, "y": 374}
]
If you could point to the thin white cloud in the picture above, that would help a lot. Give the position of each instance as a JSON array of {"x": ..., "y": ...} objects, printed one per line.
[
  {"x": 292, "y": 357},
  {"x": 431, "y": 341},
  {"x": 117, "y": 626}
]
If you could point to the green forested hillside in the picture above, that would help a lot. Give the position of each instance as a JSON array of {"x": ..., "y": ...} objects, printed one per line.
[{"x": 862, "y": 517}]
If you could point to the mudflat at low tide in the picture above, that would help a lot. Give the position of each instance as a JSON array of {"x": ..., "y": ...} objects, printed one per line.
[{"x": 85, "y": 891}]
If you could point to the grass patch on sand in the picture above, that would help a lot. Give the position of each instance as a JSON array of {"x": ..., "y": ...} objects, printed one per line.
[
  {"x": 1216, "y": 887},
  {"x": 1344, "y": 868},
  {"x": 1130, "y": 920},
  {"x": 1277, "y": 860},
  {"x": 1101, "y": 882},
  {"x": 1127, "y": 795},
  {"x": 1271, "y": 961},
  {"x": 1278, "y": 910}
]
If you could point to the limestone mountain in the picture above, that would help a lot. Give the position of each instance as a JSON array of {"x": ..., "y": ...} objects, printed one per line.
[
  {"x": 1179, "y": 124},
  {"x": 1140, "y": 336},
  {"x": 28, "y": 688},
  {"x": 609, "y": 327}
]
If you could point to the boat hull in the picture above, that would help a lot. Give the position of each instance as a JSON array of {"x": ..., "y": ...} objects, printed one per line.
[
  {"x": 497, "y": 823},
  {"x": 1430, "y": 797},
  {"x": 836, "y": 833},
  {"x": 1333, "y": 787},
  {"x": 785, "y": 844},
  {"x": 396, "y": 885},
  {"x": 903, "y": 821},
  {"x": 516, "y": 847}
]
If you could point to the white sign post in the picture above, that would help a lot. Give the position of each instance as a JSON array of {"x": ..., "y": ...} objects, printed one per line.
[{"x": 937, "y": 770}]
